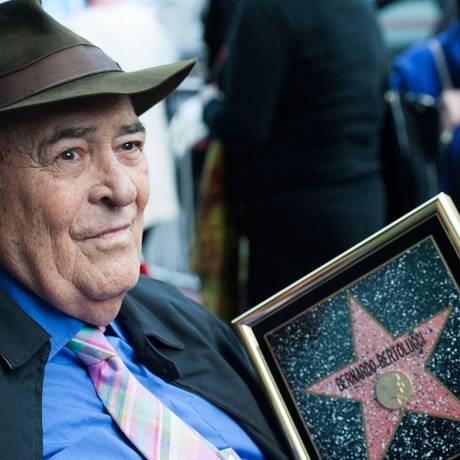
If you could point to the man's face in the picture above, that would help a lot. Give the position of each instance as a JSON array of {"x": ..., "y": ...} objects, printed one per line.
[{"x": 74, "y": 185}]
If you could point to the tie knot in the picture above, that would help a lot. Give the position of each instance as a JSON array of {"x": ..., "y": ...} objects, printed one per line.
[{"x": 91, "y": 346}]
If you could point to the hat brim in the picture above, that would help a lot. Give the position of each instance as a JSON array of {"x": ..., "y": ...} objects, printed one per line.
[{"x": 145, "y": 87}]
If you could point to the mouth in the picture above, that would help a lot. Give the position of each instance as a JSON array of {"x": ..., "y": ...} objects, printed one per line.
[{"x": 109, "y": 233}]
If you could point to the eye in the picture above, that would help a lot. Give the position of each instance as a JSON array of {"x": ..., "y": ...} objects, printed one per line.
[
  {"x": 68, "y": 155},
  {"x": 131, "y": 146}
]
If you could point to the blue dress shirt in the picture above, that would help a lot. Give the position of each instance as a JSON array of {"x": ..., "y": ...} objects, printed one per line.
[{"x": 76, "y": 425}]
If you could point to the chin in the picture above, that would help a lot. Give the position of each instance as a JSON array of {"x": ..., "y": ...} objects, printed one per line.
[
  {"x": 110, "y": 282},
  {"x": 101, "y": 314},
  {"x": 114, "y": 286},
  {"x": 102, "y": 301}
]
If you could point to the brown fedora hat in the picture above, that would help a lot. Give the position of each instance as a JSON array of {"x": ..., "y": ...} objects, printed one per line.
[{"x": 42, "y": 62}]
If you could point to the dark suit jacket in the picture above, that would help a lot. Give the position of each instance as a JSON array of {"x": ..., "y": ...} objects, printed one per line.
[
  {"x": 303, "y": 102},
  {"x": 175, "y": 338}
]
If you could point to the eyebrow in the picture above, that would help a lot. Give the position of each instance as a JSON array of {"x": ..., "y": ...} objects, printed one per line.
[
  {"x": 136, "y": 127},
  {"x": 74, "y": 132}
]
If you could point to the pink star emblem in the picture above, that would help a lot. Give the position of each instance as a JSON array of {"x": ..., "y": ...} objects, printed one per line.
[{"x": 378, "y": 352}]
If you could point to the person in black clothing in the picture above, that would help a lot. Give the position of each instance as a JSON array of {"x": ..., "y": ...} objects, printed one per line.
[{"x": 303, "y": 86}]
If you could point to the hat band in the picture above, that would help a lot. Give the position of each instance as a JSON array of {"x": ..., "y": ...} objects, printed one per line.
[{"x": 60, "y": 67}]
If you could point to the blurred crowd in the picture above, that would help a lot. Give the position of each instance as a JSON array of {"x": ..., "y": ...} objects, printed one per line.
[{"x": 305, "y": 127}]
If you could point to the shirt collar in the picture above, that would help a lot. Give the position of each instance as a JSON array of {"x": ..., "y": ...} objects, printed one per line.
[
  {"x": 58, "y": 325},
  {"x": 117, "y": 330}
]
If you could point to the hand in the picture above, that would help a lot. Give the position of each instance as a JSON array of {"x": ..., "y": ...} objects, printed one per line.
[{"x": 450, "y": 109}]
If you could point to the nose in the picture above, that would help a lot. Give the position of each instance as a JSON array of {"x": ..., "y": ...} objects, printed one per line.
[{"x": 114, "y": 187}]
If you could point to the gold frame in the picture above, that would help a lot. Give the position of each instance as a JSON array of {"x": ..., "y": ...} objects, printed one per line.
[{"x": 440, "y": 206}]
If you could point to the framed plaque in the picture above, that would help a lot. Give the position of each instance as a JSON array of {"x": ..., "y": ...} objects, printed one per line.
[{"x": 361, "y": 358}]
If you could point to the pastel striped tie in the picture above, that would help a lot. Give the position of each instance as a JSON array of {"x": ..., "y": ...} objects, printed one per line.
[{"x": 156, "y": 431}]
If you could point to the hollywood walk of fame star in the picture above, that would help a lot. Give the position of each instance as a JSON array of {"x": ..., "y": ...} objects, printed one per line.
[{"x": 427, "y": 394}]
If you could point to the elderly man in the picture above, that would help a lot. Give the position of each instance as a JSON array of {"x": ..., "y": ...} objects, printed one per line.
[{"x": 95, "y": 363}]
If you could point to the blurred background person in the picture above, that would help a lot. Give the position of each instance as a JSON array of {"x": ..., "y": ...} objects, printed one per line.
[
  {"x": 432, "y": 68},
  {"x": 299, "y": 119}
]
